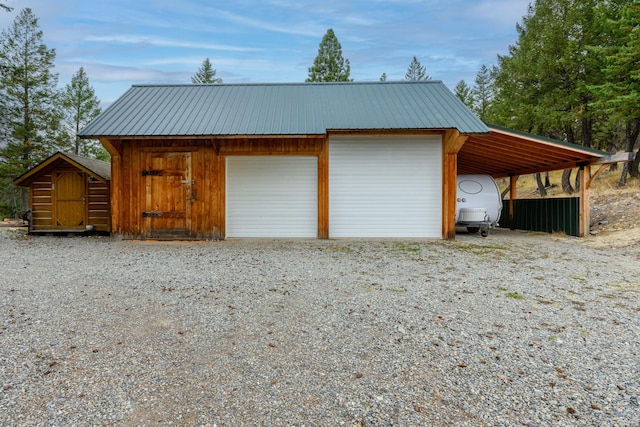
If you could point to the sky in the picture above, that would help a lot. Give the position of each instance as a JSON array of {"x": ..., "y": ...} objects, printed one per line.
[{"x": 125, "y": 42}]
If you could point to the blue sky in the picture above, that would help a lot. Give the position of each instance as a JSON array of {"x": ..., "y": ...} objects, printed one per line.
[{"x": 120, "y": 43}]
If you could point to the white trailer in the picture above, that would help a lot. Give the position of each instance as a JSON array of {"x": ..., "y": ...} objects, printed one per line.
[{"x": 478, "y": 203}]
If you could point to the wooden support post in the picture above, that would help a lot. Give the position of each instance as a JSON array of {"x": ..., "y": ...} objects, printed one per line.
[
  {"x": 115, "y": 150},
  {"x": 452, "y": 142},
  {"x": 323, "y": 191},
  {"x": 584, "y": 214},
  {"x": 512, "y": 200},
  {"x": 450, "y": 172}
]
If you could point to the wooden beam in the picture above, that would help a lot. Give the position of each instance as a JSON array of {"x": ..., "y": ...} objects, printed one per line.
[
  {"x": 449, "y": 184},
  {"x": 627, "y": 156},
  {"x": 323, "y": 191},
  {"x": 513, "y": 179},
  {"x": 584, "y": 214},
  {"x": 116, "y": 193},
  {"x": 601, "y": 169},
  {"x": 452, "y": 141},
  {"x": 113, "y": 146}
]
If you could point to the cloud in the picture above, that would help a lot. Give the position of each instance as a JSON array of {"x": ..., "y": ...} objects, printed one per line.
[
  {"x": 299, "y": 28},
  {"x": 156, "y": 41}
]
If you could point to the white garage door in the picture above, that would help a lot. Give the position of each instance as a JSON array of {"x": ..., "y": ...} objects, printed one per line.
[
  {"x": 385, "y": 187},
  {"x": 272, "y": 196}
]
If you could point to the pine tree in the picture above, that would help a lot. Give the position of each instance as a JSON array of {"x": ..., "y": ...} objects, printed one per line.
[
  {"x": 81, "y": 106},
  {"x": 28, "y": 88},
  {"x": 483, "y": 92},
  {"x": 464, "y": 93},
  {"x": 619, "y": 92},
  {"x": 206, "y": 74},
  {"x": 416, "y": 71},
  {"x": 329, "y": 65},
  {"x": 5, "y": 7}
]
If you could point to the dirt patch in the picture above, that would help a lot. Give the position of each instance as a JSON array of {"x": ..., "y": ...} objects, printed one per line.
[
  {"x": 615, "y": 216},
  {"x": 13, "y": 222}
]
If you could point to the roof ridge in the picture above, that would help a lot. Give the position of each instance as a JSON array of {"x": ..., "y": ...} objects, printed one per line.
[{"x": 288, "y": 83}]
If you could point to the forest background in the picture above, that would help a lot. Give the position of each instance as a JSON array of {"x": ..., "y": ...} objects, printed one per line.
[{"x": 571, "y": 75}]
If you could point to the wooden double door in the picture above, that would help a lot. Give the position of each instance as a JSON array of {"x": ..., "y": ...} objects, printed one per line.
[{"x": 167, "y": 193}]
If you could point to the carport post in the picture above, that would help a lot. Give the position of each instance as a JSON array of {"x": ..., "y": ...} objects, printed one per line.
[
  {"x": 512, "y": 197},
  {"x": 584, "y": 214}
]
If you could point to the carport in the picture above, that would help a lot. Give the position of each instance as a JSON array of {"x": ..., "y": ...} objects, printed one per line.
[{"x": 509, "y": 153}]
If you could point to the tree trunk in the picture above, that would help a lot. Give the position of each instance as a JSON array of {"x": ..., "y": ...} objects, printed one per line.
[
  {"x": 547, "y": 180},
  {"x": 587, "y": 132},
  {"x": 631, "y": 137},
  {"x": 541, "y": 189},
  {"x": 577, "y": 182},
  {"x": 614, "y": 144},
  {"x": 634, "y": 166},
  {"x": 566, "y": 181}
]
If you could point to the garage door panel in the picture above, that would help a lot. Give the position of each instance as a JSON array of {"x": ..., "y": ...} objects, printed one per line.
[
  {"x": 274, "y": 196},
  {"x": 383, "y": 187}
]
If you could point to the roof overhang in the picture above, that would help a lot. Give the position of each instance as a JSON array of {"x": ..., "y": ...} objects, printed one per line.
[{"x": 506, "y": 152}]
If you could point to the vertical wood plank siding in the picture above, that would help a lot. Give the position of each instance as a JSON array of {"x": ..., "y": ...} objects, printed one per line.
[{"x": 207, "y": 175}]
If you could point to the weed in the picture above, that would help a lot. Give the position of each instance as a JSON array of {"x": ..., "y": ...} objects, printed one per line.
[
  {"x": 341, "y": 249},
  {"x": 514, "y": 295},
  {"x": 406, "y": 247},
  {"x": 480, "y": 249}
]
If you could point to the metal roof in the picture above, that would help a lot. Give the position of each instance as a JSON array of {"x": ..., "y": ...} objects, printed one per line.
[{"x": 282, "y": 109}]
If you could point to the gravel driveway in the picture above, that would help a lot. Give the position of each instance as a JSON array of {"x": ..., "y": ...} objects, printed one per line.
[{"x": 518, "y": 329}]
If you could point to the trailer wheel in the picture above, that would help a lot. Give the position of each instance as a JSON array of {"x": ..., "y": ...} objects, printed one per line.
[
  {"x": 473, "y": 229},
  {"x": 484, "y": 232}
]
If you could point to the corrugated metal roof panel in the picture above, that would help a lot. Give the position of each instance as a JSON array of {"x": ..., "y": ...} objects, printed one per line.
[{"x": 282, "y": 109}]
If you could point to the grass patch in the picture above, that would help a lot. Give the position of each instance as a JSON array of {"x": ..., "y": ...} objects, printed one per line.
[
  {"x": 406, "y": 247},
  {"x": 480, "y": 249},
  {"x": 514, "y": 295},
  {"x": 625, "y": 287},
  {"x": 340, "y": 249}
]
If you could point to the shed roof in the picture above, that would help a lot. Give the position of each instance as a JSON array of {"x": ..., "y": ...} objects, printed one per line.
[
  {"x": 96, "y": 168},
  {"x": 282, "y": 109}
]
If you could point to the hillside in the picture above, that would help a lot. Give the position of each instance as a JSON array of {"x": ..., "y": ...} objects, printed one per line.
[{"x": 615, "y": 211}]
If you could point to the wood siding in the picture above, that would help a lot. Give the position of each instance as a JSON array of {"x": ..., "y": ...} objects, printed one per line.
[
  {"x": 53, "y": 211},
  {"x": 206, "y": 195}
]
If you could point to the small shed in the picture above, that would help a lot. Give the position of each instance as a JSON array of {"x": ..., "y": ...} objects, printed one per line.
[{"x": 67, "y": 194}]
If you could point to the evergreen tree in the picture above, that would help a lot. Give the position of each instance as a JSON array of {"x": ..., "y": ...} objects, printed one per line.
[
  {"x": 483, "y": 92},
  {"x": 329, "y": 65},
  {"x": 619, "y": 92},
  {"x": 205, "y": 74},
  {"x": 5, "y": 7},
  {"x": 28, "y": 90},
  {"x": 464, "y": 94},
  {"x": 416, "y": 71},
  {"x": 80, "y": 106},
  {"x": 543, "y": 80}
]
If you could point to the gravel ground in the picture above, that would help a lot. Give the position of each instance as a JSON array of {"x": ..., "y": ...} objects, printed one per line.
[{"x": 518, "y": 329}]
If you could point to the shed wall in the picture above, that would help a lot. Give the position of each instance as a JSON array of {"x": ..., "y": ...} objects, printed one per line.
[{"x": 97, "y": 211}]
